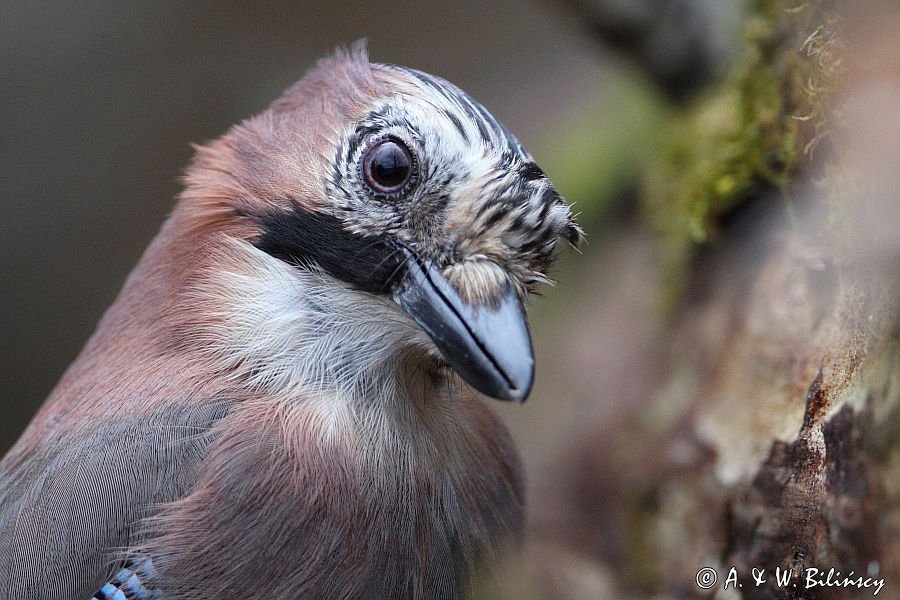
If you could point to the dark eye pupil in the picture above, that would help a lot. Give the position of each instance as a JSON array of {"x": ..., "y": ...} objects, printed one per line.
[
  {"x": 390, "y": 166},
  {"x": 387, "y": 167}
]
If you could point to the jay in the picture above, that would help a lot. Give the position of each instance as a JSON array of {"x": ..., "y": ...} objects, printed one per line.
[{"x": 280, "y": 402}]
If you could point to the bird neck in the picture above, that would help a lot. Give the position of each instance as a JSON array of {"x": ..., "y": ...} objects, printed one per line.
[{"x": 291, "y": 333}]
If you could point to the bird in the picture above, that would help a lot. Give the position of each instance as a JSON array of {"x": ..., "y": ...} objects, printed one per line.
[{"x": 290, "y": 396}]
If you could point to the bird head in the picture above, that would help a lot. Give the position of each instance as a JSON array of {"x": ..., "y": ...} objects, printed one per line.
[{"x": 406, "y": 199}]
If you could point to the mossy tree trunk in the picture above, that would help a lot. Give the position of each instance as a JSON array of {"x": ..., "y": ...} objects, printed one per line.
[{"x": 773, "y": 442}]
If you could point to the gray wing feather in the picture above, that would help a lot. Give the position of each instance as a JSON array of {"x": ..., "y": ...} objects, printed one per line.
[{"x": 69, "y": 510}]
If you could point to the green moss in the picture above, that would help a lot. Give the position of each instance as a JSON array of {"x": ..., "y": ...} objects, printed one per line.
[{"x": 751, "y": 133}]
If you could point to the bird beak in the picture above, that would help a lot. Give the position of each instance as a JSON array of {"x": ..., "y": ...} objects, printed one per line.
[{"x": 488, "y": 345}]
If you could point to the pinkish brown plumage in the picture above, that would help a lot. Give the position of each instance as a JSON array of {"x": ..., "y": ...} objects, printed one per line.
[{"x": 274, "y": 405}]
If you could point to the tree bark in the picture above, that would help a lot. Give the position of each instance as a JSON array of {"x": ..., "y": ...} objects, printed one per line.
[{"x": 771, "y": 446}]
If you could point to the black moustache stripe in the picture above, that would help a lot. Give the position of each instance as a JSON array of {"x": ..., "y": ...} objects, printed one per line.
[{"x": 299, "y": 237}]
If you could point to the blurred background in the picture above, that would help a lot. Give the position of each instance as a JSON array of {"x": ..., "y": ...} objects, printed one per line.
[
  {"x": 102, "y": 100},
  {"x": 722, "y": 156}
]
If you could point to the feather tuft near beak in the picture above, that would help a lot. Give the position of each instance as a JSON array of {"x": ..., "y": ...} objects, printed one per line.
[
  {"x": 487, "y": 344},
  {"x": 574, "y": 235}
]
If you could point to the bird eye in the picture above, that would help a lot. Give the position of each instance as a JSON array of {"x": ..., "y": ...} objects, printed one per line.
[{"x": 387, "y": 166}]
